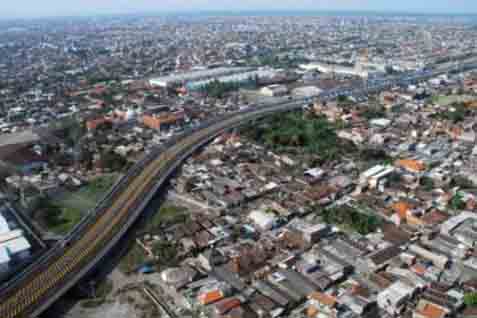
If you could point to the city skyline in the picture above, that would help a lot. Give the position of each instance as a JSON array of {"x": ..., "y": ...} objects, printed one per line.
[{"x": 53, "y": 8}]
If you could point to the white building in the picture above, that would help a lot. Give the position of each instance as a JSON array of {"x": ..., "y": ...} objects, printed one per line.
[
  {"x": 357, "y": 70},
  {"x": 451, "y": 224},
  {"x": 182, "y": 78},
  {"x": 18, "y": 248},
  {"x": 274, "y": 90},
  {"x": 438, "y": 260},
  {"x": 13, "y": 245},
  {"x": 393, "y": 298},
  {"x": 380, "y": 122},
  {"x": 374, "y": 176},
  {"x": 264, "y": 221},
  {"x": 307, "y": 91}
]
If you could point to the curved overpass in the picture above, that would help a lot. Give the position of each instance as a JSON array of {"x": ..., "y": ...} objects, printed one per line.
[{"x": 63, "y": 266}]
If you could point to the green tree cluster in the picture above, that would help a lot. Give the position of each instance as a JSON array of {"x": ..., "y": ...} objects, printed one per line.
[
  {"x": 470, "y": 299},
  {"x": 459, "y": 113},
  {"x": 315, "y": 135},
  {"x": 457, "y": 202},
  {"x": 218, "y": 89},
  {"x": 166, "y": 252},
  {"x": 345, "y": 215},
  {"x": 51, "y": 212},
  {"x": 113, "y": 161}
]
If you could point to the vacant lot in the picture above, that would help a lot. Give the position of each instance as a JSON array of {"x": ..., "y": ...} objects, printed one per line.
[{"x": 74, "y": 205}]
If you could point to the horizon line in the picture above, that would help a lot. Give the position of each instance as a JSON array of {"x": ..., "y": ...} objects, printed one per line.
[{"x": 225, "y": 12}]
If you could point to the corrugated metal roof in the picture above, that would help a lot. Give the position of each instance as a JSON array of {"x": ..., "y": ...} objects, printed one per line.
[{"x": 17, "y": 245}]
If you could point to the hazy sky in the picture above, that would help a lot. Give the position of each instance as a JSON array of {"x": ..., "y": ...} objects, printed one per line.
[{"x": 32, "y": 8}]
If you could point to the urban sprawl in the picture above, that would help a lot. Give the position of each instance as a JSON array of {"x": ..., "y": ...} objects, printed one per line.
[{"x": 360, "y": 201}]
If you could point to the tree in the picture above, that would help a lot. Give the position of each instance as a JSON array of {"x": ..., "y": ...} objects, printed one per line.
[
  {"x": 457, "y": 202},
  {"x": 342, "y": 99},
  {"x": 166, "y": 252},
  {"x": 113, "y": 161},
  {"x": 470, "y": 299},
  {"x": 52, "y": 213}
]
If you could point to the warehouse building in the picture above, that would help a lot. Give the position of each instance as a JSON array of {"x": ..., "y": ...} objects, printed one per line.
[
  {"x": 183, "y": 78},
  {"x": 240, "y": 78}
]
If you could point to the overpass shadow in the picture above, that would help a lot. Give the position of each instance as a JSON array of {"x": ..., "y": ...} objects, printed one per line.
[{"x": 109, "y": 262}]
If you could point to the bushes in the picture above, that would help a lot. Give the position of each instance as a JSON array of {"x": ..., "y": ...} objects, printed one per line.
[{"x": 166, "y": 252}]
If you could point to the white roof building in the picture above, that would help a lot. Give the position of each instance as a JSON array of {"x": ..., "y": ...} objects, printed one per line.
[
  {"x": 17, "y": 247},
  {"x": 274, "y": 90},
  {"x": 380, "y": 122},
  {"x": 179, "y": 78},
  {"x": 265, "y": 221},
  {"x": 315, "y": 172},
  {"x": 337, "y": 69},
  {"x": 8, "y": 236},
  {"x": 394, "y": 297},
  {"x": 307, "y": 91},
  {"x": 455, "y": 221}
]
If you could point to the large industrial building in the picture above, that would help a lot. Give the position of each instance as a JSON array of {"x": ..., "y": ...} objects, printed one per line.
[
  {"x": 197, "y": 80},
  {"x": 200, "y": 75},
  {"x": 14, "y": 247},
  {"x": 335, "y": 69},
  {"x": 242, "y": 78}
]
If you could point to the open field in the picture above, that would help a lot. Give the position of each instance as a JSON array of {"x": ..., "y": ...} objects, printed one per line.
[{"x": 74, "y": 205}]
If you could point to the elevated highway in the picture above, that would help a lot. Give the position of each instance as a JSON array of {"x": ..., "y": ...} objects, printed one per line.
[{"x": 29, "y": 294}]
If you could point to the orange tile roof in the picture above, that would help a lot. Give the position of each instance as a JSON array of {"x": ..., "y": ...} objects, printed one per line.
[
  {"x": 312, "y": 312},
  {"x": 432, "y": 311},
  {"x": 211, "y": 297},
  {"x": 323, "y": 299},
  {"x": 401, "y": 208},
  {"x": 418, "y": 269},
  {"x": 411, "y": 165}
]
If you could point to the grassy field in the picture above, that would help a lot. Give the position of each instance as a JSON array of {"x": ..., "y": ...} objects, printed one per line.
[
  {"x": 167, "y": 215},
  {"x": 74, "y": 205}
]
